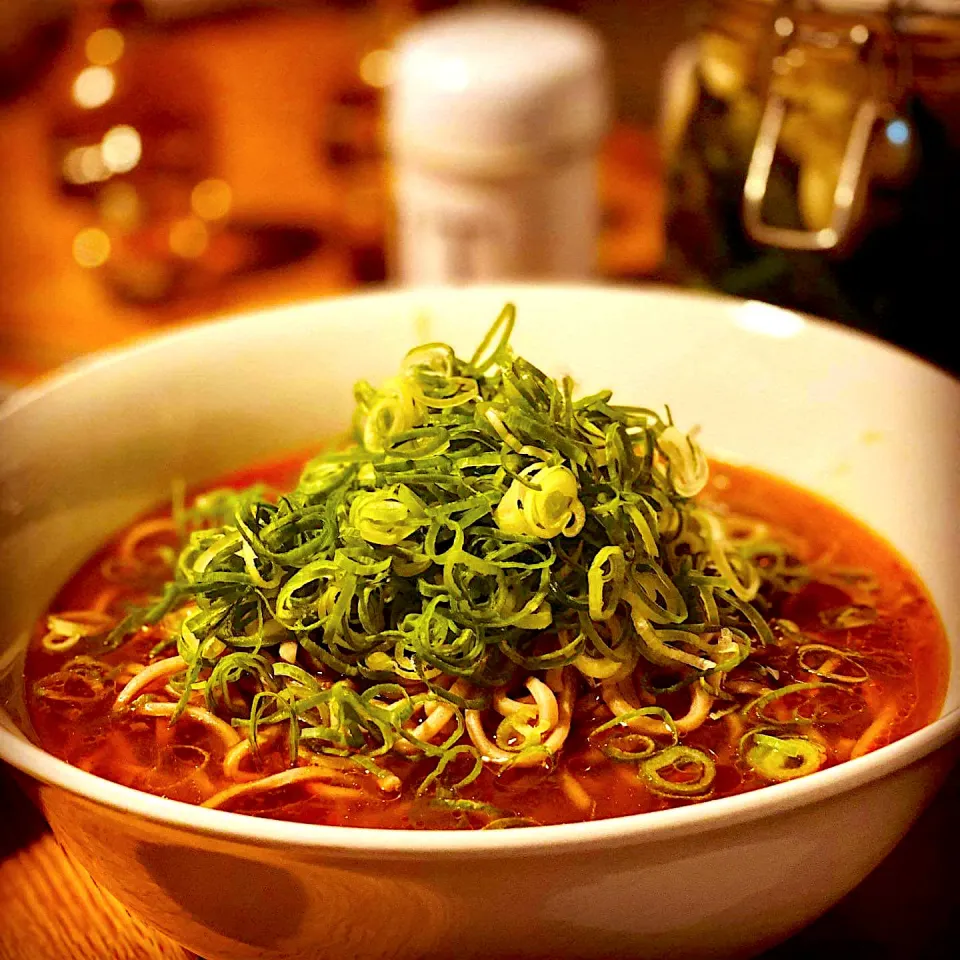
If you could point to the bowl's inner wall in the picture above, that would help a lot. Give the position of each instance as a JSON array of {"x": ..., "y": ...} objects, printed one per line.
[{"x": 872, "y": 429}]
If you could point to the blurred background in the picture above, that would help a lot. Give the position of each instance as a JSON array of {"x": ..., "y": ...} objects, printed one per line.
[{"x": 163, "y": 160}]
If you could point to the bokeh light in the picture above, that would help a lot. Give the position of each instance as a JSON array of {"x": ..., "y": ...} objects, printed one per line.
[
  {"x": 91, "y": 247},
  {"x": 83, "y": 165},
  {"x": 211, "y": 199},
  {"x": 189, "y": 237},
  {"x": 859, "y": 34},
  {"x": 93, "y": 87},
  {"x": 121, "y": 149},
  {"x": 104, "y": 47},
  {"x": 783, "y": 26},
  {"x": 119, "y": 205},
  {"x": 376, "y": 68},
  {"x": 898, "y": 132}
]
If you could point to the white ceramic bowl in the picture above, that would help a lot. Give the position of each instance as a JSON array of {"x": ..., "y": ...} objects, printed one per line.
[{"x": 870, "y": 427}]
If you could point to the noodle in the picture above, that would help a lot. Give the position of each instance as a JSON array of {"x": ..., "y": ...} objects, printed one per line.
[
  {"x": 621, "y": 697},
  {"x": 574, "y": 790},
  {"x": 701, "y": 703},
  {"x": 315, "y": 775},
  {"x": 439, "y": 714},
  {"x": 147, "y": 676},
  {"x": 214, "y": 724},
  {"x": 240, "y": 751},
  {"x": 143, "y": 531},
  {"x": 871, "y": 737},
  {"x": 67, "y": 629}
]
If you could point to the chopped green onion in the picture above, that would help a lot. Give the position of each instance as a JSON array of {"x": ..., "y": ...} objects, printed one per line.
[
  {"x": 778, "y": 757},
  {"x": 484, "y": 523},
  {"x": 510, "y": 823},
  {"x": 679, "y": 771},
  {"x": 617, "y": 741},
  {"x": 849, "y": 617},
  {"x": 825, "y": 661},
  {"x": 813, "y": 703}
]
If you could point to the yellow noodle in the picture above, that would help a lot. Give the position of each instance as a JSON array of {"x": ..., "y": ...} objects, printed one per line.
[
  {"x": 752, "y": 687},
  {"x": 543, "y": 699},
  {"x": 148, "y": 528},
  {"x": 735, "y": 722},
  {"x": 489, "y": 751},
  {"x": 214, "y": 724},
  {"x": 296, "y": 775},
  {"x": 560, "y": 681},
  {"x": 240, "y": 751},
  {"x": 105, "y": 599},
  {"x": 67, "y": 629},
  {"x": 156, "y": 671},
  {"x": 438, "y": 714},
  {"x": 870, "y": 737},
  {"x": 701, "y": 703},
  {"x": 575, "y": 792},
  {"x": 621, "y": 697},
  {"x": 387, "y": 783}
]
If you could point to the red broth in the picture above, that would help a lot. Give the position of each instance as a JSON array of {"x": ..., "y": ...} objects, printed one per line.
[{"x": 904, "y": 650}]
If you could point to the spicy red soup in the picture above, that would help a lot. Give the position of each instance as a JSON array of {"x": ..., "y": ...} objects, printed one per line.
[{"x": 839, "y": 652}]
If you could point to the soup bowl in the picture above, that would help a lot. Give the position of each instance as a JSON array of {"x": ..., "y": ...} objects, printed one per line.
[{"x": 867, "y": 426}]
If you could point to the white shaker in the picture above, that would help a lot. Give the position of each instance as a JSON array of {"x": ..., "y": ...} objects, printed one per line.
[{"x": 494, "y": 119}]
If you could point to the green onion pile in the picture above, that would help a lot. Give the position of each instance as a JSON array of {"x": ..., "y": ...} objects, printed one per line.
[{"x": 486, "y": 527}]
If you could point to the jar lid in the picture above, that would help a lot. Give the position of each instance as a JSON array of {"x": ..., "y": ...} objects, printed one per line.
[{"x": 497, "y": 82}]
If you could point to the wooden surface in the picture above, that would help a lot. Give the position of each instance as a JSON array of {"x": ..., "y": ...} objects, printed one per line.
[{"x": 50, "y": 909}]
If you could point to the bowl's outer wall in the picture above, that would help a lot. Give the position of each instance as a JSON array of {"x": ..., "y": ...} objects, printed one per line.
[
  {"x": 870, "y": 428},
  {"x": 728, "y": 893}
]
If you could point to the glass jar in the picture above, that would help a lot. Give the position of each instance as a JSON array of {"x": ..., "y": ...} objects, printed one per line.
[{"x": 813, "y": 151}]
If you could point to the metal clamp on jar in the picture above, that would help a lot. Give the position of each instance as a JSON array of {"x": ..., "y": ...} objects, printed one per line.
[{"x": 814, "y": 151}]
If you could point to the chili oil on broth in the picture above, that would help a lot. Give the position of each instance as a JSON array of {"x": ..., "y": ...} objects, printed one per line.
[{"x": 903, "y": 650}]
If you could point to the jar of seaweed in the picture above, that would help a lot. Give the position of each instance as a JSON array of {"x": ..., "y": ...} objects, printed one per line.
[{"x": 813, "y": 149}]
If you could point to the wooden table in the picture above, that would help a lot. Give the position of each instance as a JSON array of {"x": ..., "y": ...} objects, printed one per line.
[{"x": 50, "y": 909}]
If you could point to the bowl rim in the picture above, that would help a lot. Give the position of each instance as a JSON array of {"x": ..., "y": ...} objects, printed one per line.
[{"x": 364, "y": 842}]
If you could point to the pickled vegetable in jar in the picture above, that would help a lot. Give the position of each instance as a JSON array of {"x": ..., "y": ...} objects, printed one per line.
[{"x": 813, "y": 151}]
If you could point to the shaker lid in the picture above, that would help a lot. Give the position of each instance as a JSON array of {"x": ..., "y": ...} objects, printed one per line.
[{"x": 497, "y": 82}]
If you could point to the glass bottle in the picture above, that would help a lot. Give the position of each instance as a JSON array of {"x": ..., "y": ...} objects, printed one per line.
[{"x": 814, "y": 161}]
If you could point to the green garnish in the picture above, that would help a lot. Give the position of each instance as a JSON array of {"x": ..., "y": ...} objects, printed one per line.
[
  {"x": 510, "y": 823},
  {"x": 849, "y": 617},
  {"x": 485, "y": 526},
  {"x": 832, "y": 663},
  {"x": 805, "y": 703},
  {"x": 778, "y": 757},
  {"x": 679, "y": 771},
  {"x": 617, "y": 741}
]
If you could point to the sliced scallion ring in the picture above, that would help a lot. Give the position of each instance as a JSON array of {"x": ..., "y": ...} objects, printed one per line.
[
  {"x": 777, "y": 757},
  {"x": 679, "y": 771}
]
